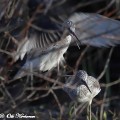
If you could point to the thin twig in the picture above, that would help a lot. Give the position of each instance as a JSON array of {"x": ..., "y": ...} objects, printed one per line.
[
  {"x": 106, "y": 64},
  {"x": 102, "y": 106},
  {"x": 110, "y": 84},
  {"x": 80, "y": 58}
]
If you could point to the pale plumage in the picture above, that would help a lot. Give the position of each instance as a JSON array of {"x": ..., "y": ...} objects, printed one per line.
[
  {"x": 77, "y": 87},
  {"x": 90, "y": 29},
  {"x": 46, "y": 59}
]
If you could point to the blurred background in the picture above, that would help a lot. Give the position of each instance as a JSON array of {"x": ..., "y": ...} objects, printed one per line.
[{"x": 42, "y": 97}]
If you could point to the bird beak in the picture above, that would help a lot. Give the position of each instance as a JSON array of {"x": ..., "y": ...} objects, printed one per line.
[
  {"x": 86, "y": 85},
  {"x": 78, "y": 41},
  {"x": 73, "y": 33}
]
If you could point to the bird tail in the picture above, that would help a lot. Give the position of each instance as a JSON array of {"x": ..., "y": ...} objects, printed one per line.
[{"x": 21, "y": 73}]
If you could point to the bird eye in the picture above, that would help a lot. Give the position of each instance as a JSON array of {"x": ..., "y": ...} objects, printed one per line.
[{"x": 69, "y": 23}]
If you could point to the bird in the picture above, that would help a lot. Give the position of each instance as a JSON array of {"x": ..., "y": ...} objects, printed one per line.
[
  {"x": 48, "y": 52},
  {"x": 44, "y": 38},
  {"x": 81, "y": 87}
]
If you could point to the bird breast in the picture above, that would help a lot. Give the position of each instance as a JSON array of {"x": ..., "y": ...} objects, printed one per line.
[
  {"x": 51, "y": 56},
  {"x": 54, "y": 57}
]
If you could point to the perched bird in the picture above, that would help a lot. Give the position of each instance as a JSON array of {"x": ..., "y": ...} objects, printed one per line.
[{"x": 81, "y": 87}]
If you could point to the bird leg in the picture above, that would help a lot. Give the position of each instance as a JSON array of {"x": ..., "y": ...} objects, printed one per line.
[{"x": 89, "y": 112}]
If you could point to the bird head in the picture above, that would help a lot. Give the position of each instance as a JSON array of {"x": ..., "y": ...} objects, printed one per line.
[{"x": 70, "y": 26}]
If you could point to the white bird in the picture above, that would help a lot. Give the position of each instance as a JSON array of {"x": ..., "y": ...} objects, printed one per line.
[
  {"x": 81, "y": 87},
  {"x": 47, "y": 40}
]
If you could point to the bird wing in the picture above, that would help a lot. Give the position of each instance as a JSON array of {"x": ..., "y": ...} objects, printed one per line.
[
  {"x": 42, "y": 33},
  {"x": 70, "y": 89},
  {"x": 96, "y": 30}
]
